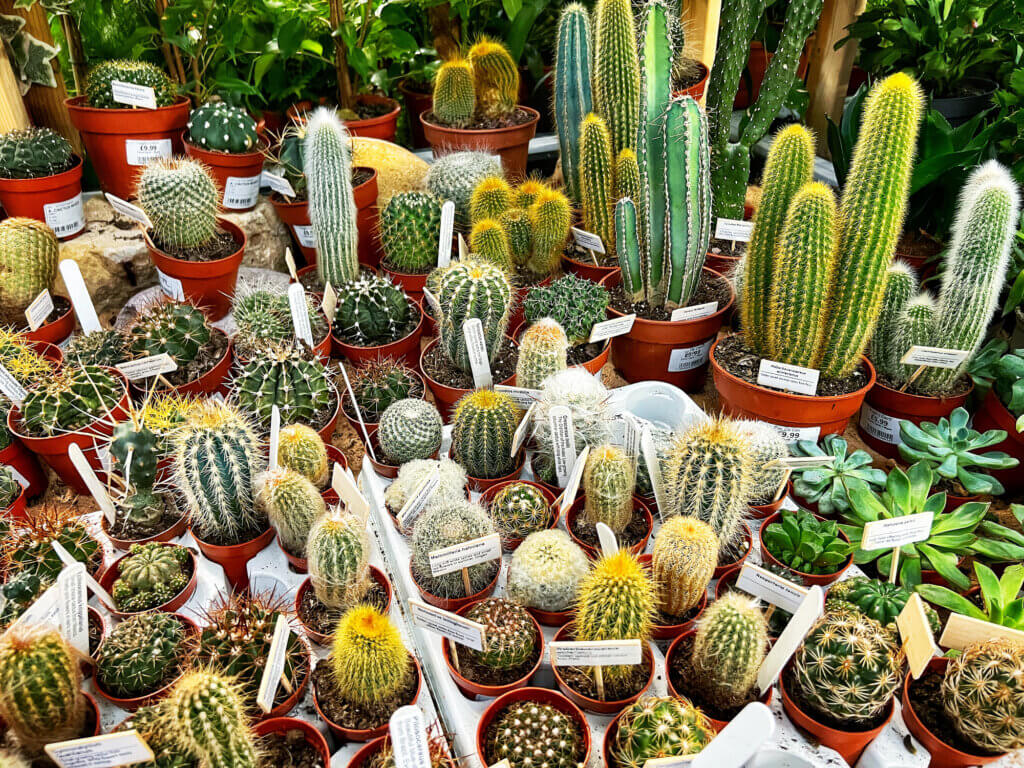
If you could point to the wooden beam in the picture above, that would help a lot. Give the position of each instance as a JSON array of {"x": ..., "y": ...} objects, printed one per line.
[
  {"x": 700, "y": 20},
  {"x": 13, "y": 114},
  {"x": 828, "y": 74}
]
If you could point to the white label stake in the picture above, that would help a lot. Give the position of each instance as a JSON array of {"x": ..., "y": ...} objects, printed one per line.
[
  {"x": 476, "y": 348},
  {"x": 275, "y": 664},
  {"x": 441, "y": 622},
  {"x": 572, "y": 487},
  {"x": 275, "y": 435},
  {"x": 418, "y": 499},
  {"x": 80, "y": 298},
  {"x": 133, "y": 94},
  {"x": 791, "y": 378},
  {"x": 653, "y": 468},
  {"x": 300, "y": 313},
  {"x": 563, "y": 436},
  {"x": 74, "y": 612},
  {"x": 794, "y": 633},
  {"x": 355, "y": 405},
  {"x": 330, "y": 302},
  {"x": 609, "y": 546},
  {"x": 145, "y": 367},
  {"x": 125, "y": 208},
  {"x": 409, "y": 738},
  {"x": 110, "y": 750},
  {"x": 93, "y": 585},
  {"x": 596, "y": 653},
  {"x": 444, "y": 243},
  {"x": 773, "y": 589},
  {"x": 289, "y": 261},
  {"x": 85, "y": 471},
  {"x": 607, "y": 329},
  {"x": 520, "y": 434},
  {"x": 11, "y": 387}
]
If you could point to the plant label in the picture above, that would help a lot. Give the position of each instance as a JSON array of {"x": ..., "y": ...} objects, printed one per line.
[
  {"x": 132, "y": 94},
  {"x": 241, "y": 192},
  {"x": 935, "y": 357},
  {"x": 741, "y": 738},
  {"x": 305, "y": 234},
  {"x": 417, "y": 501},
  {"x": 146, "y": 367},
  {"x": 804, "y": 618},
  {"x": 736, "y": 230},
  {"x": 90, "y": 582},
  {"x": 522, "y": 396},
  {"x": 463, "y": 248},
  {"x": 143, "y": 152},
  {"x": 444, "y": 243},
  {"x": 696, "y": 312},
  {"x": 279, "y": 184},
  {"x": 503, "y": 763},
  {"x": 770, "y": 587},
  {"x": 289, "y": 261},
  {"x": 476, "y": 349},
  {"x": 107, "y": 751},
  {"x": 447, "y": 624},
  {"x": 85, "y": 471},
  {"x": 631, "y": 435},
  {"x": 300, "y": 313},
  {"x": 524, "y": 426},
  {"x": 275, "y": 435},
  {"x": 409, "y": 738},
  {"x": 275, "y": 664},
  {"x": 171, "y": 286},
  {"x": 349, "y": 494},
  {"x": 605, "y": 535},
  {"x": 66, "y": 217},
  {"x": 359, "y": 413},
  {"x": 465, "y": 554},
  {"x": 563, "y": 437},
  {"x": 329, "y": 303},
  {"x": 918, "y": 643},
  {"x": 39, "y": 309},
  {"x": 608, "y": 329},
  {"x": 11, "y": 387},
  {"x": 22, "y": 481},
  {"x": 572, "y": 487},
  {"x": 588, "y": 240},
  {"x": 795, "y": 434},
  {"x": 433, "y": 303},
  {"x": 879, "y": 425},
  {"x": 80, "y": 298},
  {"x": 653, "y": 464},
  {"x": 129, "y": 210},
  {"x": 73, "y": 601},
  {"x": 792, "y": 378},
  {"x": 44, "y": 611},
  {"x": 688, "y": 358},
  {"x": 802, "y": 462},
  {"x": 897, "y": 531},
  {"x": 962, "y": 631},
  {"x": 596, "y": 653}
]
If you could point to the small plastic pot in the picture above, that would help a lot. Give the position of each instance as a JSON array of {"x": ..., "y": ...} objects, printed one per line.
[
  {"x": 233, "y": 558},
  {"x": 808, "y": 579},
  {"x": 429, "y": 323},
  {"x": 56, "y": 331},
  {"x": 19, "y": 458},
  {"x": 405, "y": 348},
  {"x": 594, "y": 552},
  {"x": 168, "y": 534},
  {"x": 382, "y": 468},
  {"x": 364, "y": 734},
  {"x": 312, "y": 736},
  {"x": 453, "y": 604},
  {"x": 541, "y": 696},
  {"x": 410, "y": 282},
  {"x": 318, "y": 637},
  {"x": 326, "y": 432},
  {"x": 588, "y": 270},
  {"x": 511, "y": 144},
  {"x": 488, "y": 495},
  {"x": 481, "y": 484},
  {"x": 234, "y": 173},
  {"x": 295, "y": 216},
  {"x": 598, "y": 706},
  {"x": 696, "y": 91},
  {"x": 110, "y": 575},
  {"x": 761, "y": 511},
  {"x": 94, "y": 708},
  {"x": 214, "y": 380},
  {"x": 994, "y": 415},
  {"x": 884, "y": 408},
  {"x": 445, "y": 397},
  {"x": 15, "y": 511},
  {"x": 721, "y": 568},
  {"x": 365, "y": 753},
  {"x": 54, "y": 200},
  {"x": 672, "y": 631}
]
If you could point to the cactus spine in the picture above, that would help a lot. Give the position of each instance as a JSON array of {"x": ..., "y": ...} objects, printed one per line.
[
  {"x": 573, "y": 100},
  {"x": 207, "y": 713},
  {"x": 291, "y": 503},
  {"x": 337, "y": 552},
  {"x": 982, "y": 697},
  {"x": 510, "y": 634},
  {"x": 608, "y": 481},
  {"x": 595, "y": 172},
  {"x": 483, "y": 425},
  {"x": 542, "y": 353},
  {"x": 683, "y": 561},
  {"x": 369, "y": 661},
  {"x": 496, "y": 79},
  {"x": 730, "y": 645},
  {"x": 914, "y": 325},
  {"x": 180, "y": 198},
  {"x": 616, "y": 80},
  {"x": 658, "y": 727}
]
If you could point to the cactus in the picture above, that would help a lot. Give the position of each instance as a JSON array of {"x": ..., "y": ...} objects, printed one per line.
[
  {"x": 576, "y": 304},
  {"x": 288, "y": 377},
  {"x": 595, "y": 175},
  {"x": 72, "y": 399},
  {"x": 410, "y": 228},
  {"x": 982, "y": 698},
  {"x": 878, "y": 600},
  {"x": 220, "y": 127},
  {"x": 490, "y": 199},
  {"x": 573, "y": 100},
  {"x": 528, "y": 733},
  {"x": 337, "y": 550},
  {"x": 656, "y": 727},
  {"x": 302, "y": 449},
  {"x": 379, "y": 383},
  {"x": 454, "y": 100},
  {"x": 473, "y": 289},
  {"x": 451, "y": 487},
  {"x": 151, "y": 575},
  {"x": 106, "y": 347},
  {"x": 40, "y": 700},
  {"x": 207, "y": 714},
  {"x": 372, "y": 311},
  {"x": 683, "y": 561},
  {"x": 766, "y": 447},
  {"x": 28, "y": 547},
  {"x": 489, "y": 241},
  {"x": 263, "y": 318},
  {"x": 730, "y": 644},
  {"x": 518, "y": 510},
  {"x": 900, "y": 286},
  {"x": 550, "y": 221},
  {"x": 542, "y": 353},
  {"x": 28, "y": 265},
  {"x": 455, "y": 176},
  {"x": 10, "y": 759},
  {"x": 510, "y": 634},
  {"x": 847, "y": 668},
  {"x": 616, "y": 79},
  {"x": 142, "y": 654},
  {"x": 291, "y": 503},
  {"x": 483, "y": 425},
  {"x": 180, "y": 198},
  {"x": 22, "y": 361},
  {"x": 180, "y": 330},
  {"x": 519, "y": 231},
  {"x": 98, "y": 90},
  {"x": 546, "y": 570},
  {"x": 587, "y": 401},
  {"x": 443, "y": 525},
  {"x": 495, "y": 78},
  {"x": 10, "y": 488},
  {"x": 368, "y": 661},
  {"x": 608, "y": 482},
  {"x": 327, "y": 155},
  {"x": 409, "y": 429},
  {"x": 33, "y": 153},
  {"x": 915, "y": 325}
]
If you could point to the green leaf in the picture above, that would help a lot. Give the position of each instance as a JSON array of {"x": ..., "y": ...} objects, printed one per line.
[
  {"x": 950, "y": 600},
  {"x": 291, "y": 35}
]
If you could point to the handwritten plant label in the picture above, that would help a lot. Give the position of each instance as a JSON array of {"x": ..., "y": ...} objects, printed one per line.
[
  {"x": 688, "y": 358},
  {"x": 524, "y": 426},
  {"x": 444, "y": 243},
  {"x": 39, "y": 309},
  {"x": 572, "y": 487},
  {"x": 408, "y": 734},
  {"x": 132, "y": 94},
  {"x": 349, "y": 494},
  {"x": 447, "y": 624},
  {"x": 79, "y": 294},
  {"x": 588, "y": 240},
  {"x": 631, "y": 434},
  {"x": 522, "y": 396},
  {"x": 146, "y": 367},
  {"x": 770, "y": 587},
  {"x": 736, "y": 230},
  {"x": 465, "y": 554},
  {"x": 935, "y": 357},
  {"x": 279, "y": 184},
  {"x": 417, "y": 501},
  {"x": 142, "y": 152},
  {"x": 563, "y": 437},
  {"x": 896, "y": 531},
  {"x": 880, "y": 426},
  {"x": 11, "y": 387},
  {"x": 792, "y": 378},
  {"x": 607, "y": 329},
  {"x": 595, "y": 653},
  {"x": 110, "y": 750},
  {"x": 796, "y": 630},
  {"x": 275, "y": 664},
  {"x": 476, "y": 349},
  {"x": 695, "y": 312},
  {"x": 916, "y": 633},
  {"x": 962, "y": 631},
  {"x": 300, "y": 314}
]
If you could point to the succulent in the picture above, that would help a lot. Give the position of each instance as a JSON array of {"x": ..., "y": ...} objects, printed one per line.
[
  {"x": 596, "y": 177},
  {"x": 372, "y": 311},
  {"x": 220, "y": 127},
  {"x": 151, "y": 575},
  {"x": 728, "y": 649},
  {"x": 98, "y": 82},
  {"x": 472, "y": 289},
  {"x": 135, "y": 453},
  {"x": 683, "y": 561},
  {"x": 982, "y": 697},
  {"x": 409, "y": 429},
  {"x": 576, "y": 304},
  {"x": 546, "y": 570},
  {"x": 73, "y": 398},
  {"x": 454, "y": 177},
  {"x": 28, "y": 266},
  {"x": 33, "y": 153},
  {"x": 1000, "y": 597},
  {"x": 263, "y": 318},
  {"x": 181, "y": 200},
  {"x": 805, "y": 543},
  {"x": 483, "y": 425},
  {"x": 443, "y": 525},
  {"x": 152, "y": 723},
  {"x": 587, "y": 401},
  {"x": 379, "y": 383},
  {"x": 617, "y": 94},
  {"x": 542, "y": 353},
  {"x": 451, "y": 486},
  {"x": 454, "y": 95},
  {"x": 301, "y": 448},
  {"x": 519, "y": 509},
  {"x": 510, "y": 634},
  {"x": 656, "y": 727},
  {"x": 1009, "y": 383},
  {"x": 337, "y": 550},
  {"x": 876, "y": 599},
  {"x": 285, "y": 157},
  {"x": 485, "y": 85},
  {"x": 369, "y": 662},
  {"x": 529, "y": 733},
  {"x": 573, "y": 99},
  {"x": 180, "y": 330},
  {"x": 10, "y": 488},
  {"x": 292, "y": 503},
  {"x": 286, "y": 376},
  {"x": 410, "y": 229},
  {"x": 207, "y": 714},
  {"x": 142, "y": 654},
  {"x": 827, "y": 485},
  {"x": 608, "y": 482},
  {"x": 901, "y": 285},
  {"x": 107, "y": 347}
]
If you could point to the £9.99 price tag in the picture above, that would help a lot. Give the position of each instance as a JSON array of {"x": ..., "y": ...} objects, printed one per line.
[{"x": 142, "y": 152}]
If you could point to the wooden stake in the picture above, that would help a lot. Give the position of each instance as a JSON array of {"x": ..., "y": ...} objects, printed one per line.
[
  {"x": 894, "y": 569},
  {"x": 599, "y": 682},
  {"x": 913, "y": 377},
  {"x": 76, "y": 55},
  {"x": 13, "y": 114},
  {"x": 465, "y": 581}
]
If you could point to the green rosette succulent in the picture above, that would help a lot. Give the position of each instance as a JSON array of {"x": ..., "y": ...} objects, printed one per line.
[
  {"x": 805, "y": 543},
  {"x": 827, "y": 485}
]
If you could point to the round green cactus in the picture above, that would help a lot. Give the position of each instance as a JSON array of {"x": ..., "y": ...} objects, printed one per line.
[
  {"x": 151, "y": 575},
  {"x": 28, "y": 265},
  {"x": 660, "y": 726},
  {"x": 32, "y": 153},
  {"x": 337, "y": 550},
  {"x": 291, "y": 503},
  {"x": 454, "y": 177},
  {"x": 98, "y": 90},
  {"x": 180, "y": 330},
  {"x": 410, "y": 229},
  {"x": 483, "y": 426},
  {"x": 220, "y": 127},
  {"x": 982, "y": 696},
  {"x": 542, "y": 353},
  {"x": 72, "y": 399},
  {"x": 379, "y": 383},
  {"x": 443, "y": 525},
  {"x": 574, "y": 303},
  {"x": 181, "y": 200},
  {"x": 301, "y": 448},
  {"x": 141, "y": 654},
  {"x": 731, "y": 642},
  {"x": 371, "y": 311},
  {"x": 878, "y": 600},
  {"x": 518, "y": 510},
  {"x": 528, "y": 733},
  {"x": 409, "y": 429},
  {"x": 107, "y": 347},
  {"x": 546, "y": 571},
  {"x": 369, "y": 661},
  {"x": 290, "y": 378},
  {"x": 510, "y": 634},
  {"x": 263, "y": 318},
  {"x": 473, "y": 289}
]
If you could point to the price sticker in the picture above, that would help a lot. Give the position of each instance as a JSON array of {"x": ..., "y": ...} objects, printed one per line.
[
  {"x": 271, "y": 678},
  {"x": 588, "y": 240},
  {"x": 522, "y": 396},
  {"x": 444, "y": 243},
  {"x": 143, "y": 152},
  {"x": 770, "y": 587},
  {"x": 300, "y": 314},
  {"x": 418, "y": 500},
  {"x": 795, "y": 434},
  {"x": 147, "y": 367},
  {"x": 563, "y": 436},
  {"x": 696, "y": 312},
  {"x": 465, "y": 554},
  {"x": 791, "y": 378},
  {"x": 896, "y": 531},
  {"x": 596, "y": 653},
  {"x": 935, "y": 357},
  {"x": 408, "y": 734},
  {"x": 736, "y": 230},
  {"x": 688, "y": 358},
  {"x": 79, "y": 294},
  {"x": 110, "y": 750},
  {"x": 305, "y": 234},
  {"x": 39, "y": 309},
  {"x": 607, "y": 329},
  {"x": 241, "y": 192},
  {"x": 880, "y": 426},
  {"x": 279, "y": 184},
  {"x": 476, "y": 349},
  {"x": 66, "y": 217},
  {"x": 133, "y": 94},
  {"x": 447, "y": 624}
]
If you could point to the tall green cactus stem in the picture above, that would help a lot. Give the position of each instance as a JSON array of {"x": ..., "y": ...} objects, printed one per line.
[
  {"x": 988, "y": 215},
  {"x": 542, "y": 353},
  {"x": 804, "y": 260},
  {"x": 550, "y": 220},
  {"x": 454, "y": 100},
  {"x": 489, "y": 241},
  {"x": 628, "y": 247},
  {"x": 496, "y": 78},
  {"x": 473, "y": 289},
  {"x": 608, "y": 482},
  {"x": 409, "y": 429},
  {"x": 683, "y": 561},
  {"x": 327, "y": 156},
  {"x": 627, "y": 179},
  {"x": 410, "y": 226},
  {"x": 483, "y": 425},
  {"x": 546, "y": 570},
  {"x": 301, "y": 448},
  {"x": 291, "y": 503},
  {"x": 595, "y": 174},
  {"x": 181, "y": 200},
  {"x": 291, "y": 378},
  {"x": 135, "y": 453},
  {"x": 28, "y": 265},
  {"x": 369, "y": 661},
  {"x": 982, "y": 696},
  {"x": 491, "y": 198},
  {"x": 871, "y": 219},
  {"x": 900, "y": 287},
  {"x": 526, "y": 193},
  {"x": 914, "y": 326},
  {"x": 731, "y": 642},
  {"x": 207, "y": 712},
  {"x": 573, "y": 98},
  {"x": 616, "y": 80},
  {"x": 516, "y": 223},
  {"x": 789, "y": 167},
  {"x": 337, "y": 552}
]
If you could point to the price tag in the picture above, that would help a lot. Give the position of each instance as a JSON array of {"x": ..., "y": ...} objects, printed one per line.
[
  {"x": 79, "y": 294},
  {"x": 802, "y": 462},
  {"x": 879, "y": 425},
  {"x": 349, "y": 494},
  {"x": 289, "y": 262},
  {"x": 22, "y": 481},
  {"x": 563, "y": 436},
  {"x": 796, "y": 630},
  {"x": 520, "y": 434},
  {"x": 417, "y": 501},
  {"x": 695, "y": 312},
  {"x": 962, "y": 631},
  {"x": 595, "y": 653},
  {"x": 572, "y": 486},
  {"x": 145, "y": 367},
  {"x": 275, "y": 664},
  {"x": 171, "y": 286},
  {"x": 85, "y": 471},
  {"x": 688, "y": 358},
  {"x": 39, "y": 309},
  {"x": 330, "y": 302},
  {"x": 736, "y": 230},
  {"x": 476, "y": 348},
  {"x": 409, "y": 738},
  {"x": 305, "y": 234},
  {"x": 300, "y": 313},
  {"x": 916, "y": 633},
  {"x": 441, "y": 622},
  {"x": 465, "y": 554},
  {"x": 897, "y": 531},
  {"x": 792, "y": 378},
  {"x": 444, "y": 243},
  {"x": 588, "y": 240},
  {"x": 66, "y": 217},
  {"x": 133, "y": 94},
  {"x": 143, "y": 152},
  {"x": 607, "y": 329},
  {"x": 522, "y": 396},
  {"x": 73, "y": 603},
  {"x": 275, "y": 435},
  {"x": 771, "y": 588},
  {"x": 653, "y": 468},
  {"x": 90, "y": 582},
  {"x": 279, "y": 184},
  {"x": 795, "y": 434},
  {"x": 11, "y": 387},
  {"x": 241, "y": 192},
  {"x": 107, "y": 751},
  {"x": 631, "y": 438},
  {"x": 935, "y": 357},
  {"x": 605, "y": 535}
]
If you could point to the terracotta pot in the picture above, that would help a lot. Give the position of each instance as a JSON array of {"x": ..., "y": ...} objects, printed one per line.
[
  {"x": 210, "y": 284},
  {"x": 727, "y": 580},
  {"x": 445, "y": 397},
  {"x": 297, "y": 564},
  {"x": 406, "y": 348},
  {"x": 721, "y": 263},
  {"x": 371, "y": 426},
  {"x": 409, "y": 282},
  {"x": 53, "y": 450},
  {"x": 295, "y": 215},
  {"x": 671, "y": 631},
  {"x": 510, "y": 545},
  {"x": 55, "y": 200},
  {"x": 510, "y": 144},
  {"x": 56, "y": 331},
  {"x": 364, "y": 734},
  {"x": 918, "y": 251},
  {"x": 541, "y": 696},
  {"x": 743, "y": 399},
  {"x": 168, "y": 534},
  {"x": 721, "y": 568},
  {"x": 213, "y": 381},
  {"x": 884, "y": 408},
  {"x": 429, "y": 323},
  {"x": 660, "y": 350},
  {"x": 380, "y": 466},
  {"x": 94, "y": 708},
  {"x": 953, "y": 501},
  {"x": 110, "y": 575},
  {"x": 237, "y": 174},
  {"x": 455, "y": 603},
  {"x": 416, "y": 103},
  {"x": 368, "y": 220},
  {"x": 365, "y": 753},
  {"x": 233, "y": 558},
  {"x": 696, "y": 91},
  {"x": 19, "y": 458},
  {"x": 943, "y": 755},
  {"x": 473, "y": 689},
  {"x": 588, "y": 270},
  {"x": 994, "y": 415},
  {"x": 593, "y": 365},
  {"x": 48, "y": 351},
  {"x": 326, "y": 432},
  {"x": 807, "y": 579},
  {"x": 552, "y": 618},
  {"x": 119, "y": 142},
  {"x": 318, "y": 637},
  {"x": 381, "y": 127},
  {"x": 594, "y": 552},
  {"x": 849, "y": 744},
  {"x": 481, "y": 484},
  {"x": 312, "y": 736},
  {"x": 761, "y": 511},
  {"x": 599, "y": 706}
]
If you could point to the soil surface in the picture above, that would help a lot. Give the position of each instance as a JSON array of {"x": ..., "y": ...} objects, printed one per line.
[
  {"x": 663, "y": 619},
  {"x": 584, "y": 353},
  {"x": 734, "y": 248},
  {"x": 689, "y": 78},
  {"x": 635, "y": 531},
  {"x": 288, "y": 750},
  {"x": 437, "y": 366},
  {"x": 518, "y": 117},
  {"x": 323, "y": 619},
  {"x": 713, "y": 289},
  {"x": 682, "y": 675},
  {"x": 961, "y": 386},
  {"x": 221, "y": 245},
  {"x": 581, "y": 680},
  {"x": 356, "y": 716},
  {"x": 485, "y": 675},
  {"x": 576, "y": 252},
  {"x": 127, "y": 529}
]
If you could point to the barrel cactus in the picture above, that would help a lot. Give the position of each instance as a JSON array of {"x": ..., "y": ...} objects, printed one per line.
[
  {"x": 657, "y": 727},
  {"x": 510, "y": 634},
  {"x": 150, "y": 575},
  {"x": 454, "y": 177},
  {"x": 443, "y": 525},
  {"x": 220, "y": 127},
  {"x": 98, "y": 91},
  {"x": 181, "y": 200},
  {"x": 28, "y": 266},
  {"x": 683, "y": 561},
  {"x": 542, "y": 353},
  {"x": 982, "y": 696},
  {"x": 142, "y": 654},
  {"x": 372, "y": 311},
  {"x": 291, "y": 378},
  {"x": 473, "y": 289},
  {"x": 368, "y": 660},
  {"x": 731, "y": 643},
  {"x": 410, "y": 228},
  {"x": 72, "y": 399},
  {"x": 409, "y": 429},
  {"x": 483, "y": 426},
  {"x": 33, "y": 153},
  {"x": 546, "y": 571},
  {"x": 291, "y": 503},
  {"x": 179, "y": 329},
  {"x": 301, "y": 448},
  {"x": 337, "y": 550},
  {"x": 207, "y": 712},
  {"x": 608, "y": 481},
  {"x": 519, "y": 509},
  {"x": 528, "y": 732}
]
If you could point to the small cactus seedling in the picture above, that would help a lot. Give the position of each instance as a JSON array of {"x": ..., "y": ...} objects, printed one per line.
[
  {"x": 542, "y": 353},
  {"x": 337, "y": 551},
  {"x": 527, "y": 733},
  {"x": 142, "y": 654},
  {"x": 442, "y": 526},
  {"x": 291, "y": 503},
  {"x": 206, "y": 712},
  {"x": 660, "y": 726},
  {"x": 518, "y": 510},
  {"x": 409, "y": 429},
  {"x": 151, "y": 575},
  {"x": 546, "y": 571},
  {"x": 301, "y": 448},
  {"x": 483, "y": 426},
  {"x": 608, "y": 482},
  {"x": 684, "y": 559},
  {"x": 510, "y": 634},
  {"x": 368, "y": 660},
  {"x": 731, "y": 642}
]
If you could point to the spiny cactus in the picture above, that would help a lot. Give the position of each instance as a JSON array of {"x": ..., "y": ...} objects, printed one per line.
[
  {"x": 490, "y": 198},
  {"x": 327, "y": 155},
  {"x": 372, "y": 311},
  {"x": 443, "y": 525},
  {"x": 730, "y": 644},
  {"x": 263, "y": 318},
  {"x": 107, "y": 347},
  {"x": 10, "y": 488},
  {"x": 142, "y": 654},
  {"x": 369, "y": 662},
  {"x": 495, "y": 78},
  {"x": 21, "y": 360},
  {"x": 546, "y": 570},
  {"x": 181, "y": 200},
  {"x": 409, "y": 429},
  {"x": 573, "y": 100},
  {"x": 587, "y": 401},
  {"x": 627, "y": 176},
  {"x": 608, "y": 481},
  {"x": 616, "y": 79},
  {"x": 379, "y": 383},
  {"x": 510, "y": 635},
  {"x": 28, "y": 547},
  {"x": 292, "y": 379},
  {"x": 483, "y": 425},
  {"x": 337, "y": 552},
  {"x": 657, "y": 727},
  {"x": 151, "y": 575},
  {"x": 596, "y": 173},
  {"x": 878, "y": 600},
  {"x": 291, "y": 503},
  {"x": 410, "y": 228},
  {"x": 519, "y": 232},
  {"x": 301, "y": 448},
  {"x": 454, "y": 101},
  {"x": 99, "y": 93},
  {"x": 982, "y": 697},
  {"x": 28, "y": 265},
  {"x": 473, "y": 289},
  {"x": 915, "y": 325},
  {"x": 220, "y": 127},
  {"x": 574, "y": 303},
  {"x": 180, "y": 330},
  {"x": 518, "y": 510},
  {"x": 550, "y": 221},
  {"x": 490, "y": 242},
  {"x": 33, "y": 153},
  {"x": 72, "y": 399},
  {"x": 766, "y": 447},
  {"x": 207, "y": 713},
  {"x": 900, "y": 286},
  {"x": 683, "y": 561},
  {"x": 542, "y": 353},
  {"x": 451, "y": 486},
  {"x": 528, "y": 733},
  {"x": 455, "y": 176}
]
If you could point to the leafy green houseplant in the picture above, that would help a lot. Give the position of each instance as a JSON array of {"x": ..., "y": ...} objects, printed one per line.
[
  {"x": 1001, "y": 602},
  {"x": 828, "y": 485},
  {"x": 805, "y": 543}
]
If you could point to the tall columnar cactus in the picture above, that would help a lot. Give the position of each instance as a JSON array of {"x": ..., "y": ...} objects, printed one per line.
[
  {"x": 496, "y": 79},
  {"x": 982, "y": 695},
  {"x": 596, "y": 171},
  {"x": 627, "y": 178},
  {"x": 608, "y": 481},
  {"x": 490, "y": 242},
  {"x": 542, "y": 353},
  {"x": 369, "y": 661},
  {"x": 683, "y": 561},
  {"x": 443, "y": 525},
  {"x": 207, "y": 713},
  {"x": 291, "y": 503},
  {"x": 178, "y": 329},
  {"x": 28, "y": 265},
  {"x": 140, "y": 653},
  {"x": 510, "y": 634},
  {"x": 491, "y": 198},
  {"x": 616, "y": 79},
  {"x": 181, "y": 200},
  {"x": 337, "y": 552},
  {"x": 573, "y": 99},
  {"x": 327, "y": 155},
  {"x": 900, "y": 287},
  {"x": 546, "y": 570},
  {"x": 659, "y": 727},
  {"x": 454, "y": 101},
  {"x": 550, "y": 220},
  {"x": 789, "y": 167},
  {"x": 410, "y": 227},
  {"x": 409, "y": 429},
  {"x": 915, "y": 325},
  {"x": 99, "y": 90},
  {"x": 473, "y": 289},
  {"x": 301, "y": 448},
  {"x": 40, "y": 700},
  {"x": 483, "y": 425},
  {"x": 731, "y": 642},
  {"x": 291, "y": 378}
]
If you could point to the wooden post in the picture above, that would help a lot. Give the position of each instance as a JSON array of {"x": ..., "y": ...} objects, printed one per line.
[
  {"x": 12, "y": 109},
  {"x": 700, "y": 20},
  {"x": 828, "y": 74}
]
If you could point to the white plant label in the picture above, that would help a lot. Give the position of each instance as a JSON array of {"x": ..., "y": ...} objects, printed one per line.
[
  {"x": 22, "y": 481},
  {"x": 736, "y": 230},
  {"x": 522, "y": 396},
  {"x": 90, "y": 582},
  {"x": 607, "y": 329},
  {"x": 688, "y": 358},
  {"x": 359, "y": 412},
  {"x": 605, "y": 535},
  {"x": 792, "y": 378},
  {"x": 596, "y": 653},
  {"x": 631, "y": 435},
  {"x": 935, "y": 357},
  {"x": 300, "y": 314},
  {"x": 896, "y": 531},
  {"x": 563, "y": 436},
  {"x": 739, "y": 741},
  {"x": 417, "y": 501},
  {"x": 435, "y": 305},
  {"x": 44, "y": 611},
  {"x": 125, "y": 208},
  {"x": 275, "y": 436},
  {"x": 962, "y": 631},
  {"x": 349, "y": 493},
  {"x": 763, "y": 584},
  {"x": 670, "y": 762},
  {"x": 145, "y": 367},
  {"x": 524, "y": 426},
  {"x": 795, "y": 434},
  {"x": 572, "y": 487},
  {"x": 171, "y": 286},
  {"x": 444, "y": 243},
  {"x": 653, "y": 468},
  {"x": 880, "y": 426},
  {"x": 73, "y": 600},
  {"x": 408, "y": 734},
  {"x": 588, "y": 240},
  {"x": 66, "y": 217},
  {"x": 796, "y": 630},
  {"x": 142, "y": 152},
  {"x": 696, "y": 312},
  {"x": 279, "y": 184},
  {"x": 802, "y": 462},
  {"x": 465, "y": 554},
  {"x": 289, "y": 261},
  {"x": 107, "y": 751},
  {"x": 463, "y": 248},
  {"x": 275, "y": 664},
  {"x": 241, "y": 192},
  {"x": 11, "y": 387},
  {"x": 79, "y": 294},
  {"x": 447, "y": 624},
  {"x": 133, "y": 94},
  {"x": 305, "y": 234},
  {"x": 39, "y": 309},
  {"x": 85, "y": 471},
  {"x": 330, "y": 302},
  {"x": 916, "y": 634},
  {"x": 476, "y": 348}
]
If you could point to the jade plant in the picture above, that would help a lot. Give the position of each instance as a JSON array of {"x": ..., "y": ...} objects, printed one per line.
[
  {"x": 683, "y": 561},
  {"x": 827, "y": 485},
  {"x": 263, "y": 318},
  {"x": 657, "y": 727},
  {"x": 142, "y": 654},
  {"x": 527, "y": 728},
  {"x": 34, "y": 153},
  {"x": 180, "y": 198},
  {"x": 290, "y": 377},
  {"x": 28, "y": 251},
  {"x": 410, "y": 228},
  {"x": 220, "y": 127},
  {"x": 483, "y": 427},
  {"x": 519, "y": 509},
  {"x": 806, "y": 544},
  {"x": 576, "y": 304},
  {"x": 876, "y": 599},
  {"x": 483, "y": 87},
  {"x": 99, "y": 83},
  {"x": 378, "y": 383},
  {"x": 981, "y": 697},
  {"x": 372, "y": 311},
  {"x": 1001, "y": 602},
  {"x": 444, "y": 525},
  {"x": 409, "y": 429},
  {"x": 543, "y": 350},
  {"x": 546, "y": 570},
  {"x": 150, "y": 575}
]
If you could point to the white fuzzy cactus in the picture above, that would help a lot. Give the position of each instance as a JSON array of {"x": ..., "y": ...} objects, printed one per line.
[{"x": 546, "y": 570}]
